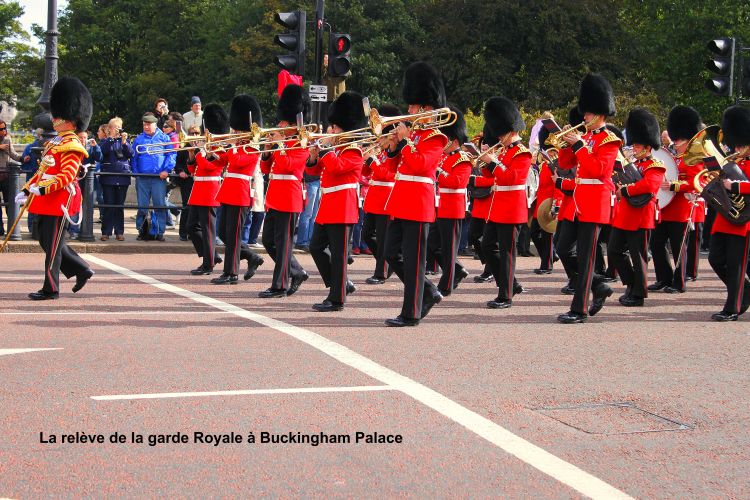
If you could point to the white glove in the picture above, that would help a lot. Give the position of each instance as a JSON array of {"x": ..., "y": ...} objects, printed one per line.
[
  {"x": 33, "y": 189},
  {"x": 21, "y": 198}
]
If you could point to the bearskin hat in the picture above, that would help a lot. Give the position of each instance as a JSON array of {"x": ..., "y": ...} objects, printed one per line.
[
  {"x": 642, "y": 127},
  {"x": 347, "y": 111},
  {"x": 735, "y": 123},
  {"x": 575, "y": 117},
  {"x": 423, "y": 86},
  {"x": 456, "y": 131},
  {"x": 596, "y": 96},
  {"x": 294, "y": 99},
  {"x": 683, "y": 122},
  {"x": 502, "y": 116},
  {"x": 215, "y": 119},
  {"x": 389, "y": 110},
  {"x": 243, "y": 108},
  {"x": 71, "y": 100},
  {"x": 542, "y": 137},
  {"x": 488, "y": 136}
]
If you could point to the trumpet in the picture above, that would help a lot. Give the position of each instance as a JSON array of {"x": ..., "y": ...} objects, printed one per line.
[
  {"x": 556, "y": 140},
  {"x": 497, "y": 149}
]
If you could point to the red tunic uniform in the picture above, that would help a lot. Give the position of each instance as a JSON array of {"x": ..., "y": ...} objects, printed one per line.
[
  {"x": 452, "y": 185},
  {"x": 509, "y": 204},
  {"x": 64, "y": 155},
  {"x": 699, "y": 213},
  {"x": 413, "y": 195},
  {"x": 480, "y": 209},
  {"x": 235, "y": 190},
  {"x": 382, "y": 179},
  {"x": 285, "y": 169},
  {"x": 340, "y": 172},
  {"x": 596, "y": 154},
  {"x": 678, "y": 210},
  {"x": 721, "y": 224},
  {"x": 546, "y": 188},
  {"x": 207, "y": 179},
  {"x": 632, "y": 218}
]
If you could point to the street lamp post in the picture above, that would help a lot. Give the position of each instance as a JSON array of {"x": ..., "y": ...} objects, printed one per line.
[{"x": 44, "y": 120}]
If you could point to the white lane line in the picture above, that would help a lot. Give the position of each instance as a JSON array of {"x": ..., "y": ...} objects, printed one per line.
[
  {"x": 89, "y": 312},
  {"x": 546, "y": 462},
  {"x": 3, "y": 352},
  {"x": 247, "y": 392}
]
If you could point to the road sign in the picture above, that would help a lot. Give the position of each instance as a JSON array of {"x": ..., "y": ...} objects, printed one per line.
[{"x": 318, "y": 89}]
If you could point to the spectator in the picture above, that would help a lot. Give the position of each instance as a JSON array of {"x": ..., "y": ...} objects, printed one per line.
[
  {"x": 185, "y": 182},
  {"x": 95, "y": 156},
  {"x": 101, "y": 134},
  {"x": 307, "y": 217},
  {"x": 254, "y": 222},
  {"x": 6, "y": 153},
  {"x": 194, "y": 117},
  {"x": 31, "y": 156},
  {"x": 117, "y": 154},
  {"x": 161, "y": 112},
  {"x": 152, "y": 189},
  {"x": 285, "y": 78},
  {"x": 534, "y": 141},
  {"x": 359, "y": 246},
  {"x": 170, "y": 128}
]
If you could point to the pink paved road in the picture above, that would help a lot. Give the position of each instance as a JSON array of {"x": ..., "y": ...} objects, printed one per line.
[{"x": 127, "y": 337}]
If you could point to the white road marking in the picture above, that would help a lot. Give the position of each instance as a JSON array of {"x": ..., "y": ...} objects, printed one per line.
[
  {"x": 247, "y": 392},
  {"x": 89, "y": 312},
  {"x": 546, "y": 462},
  {"x": 3, "y": 352}
]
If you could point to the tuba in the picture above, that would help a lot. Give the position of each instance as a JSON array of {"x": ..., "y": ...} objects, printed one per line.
[
  {"x": 706, "y": 146},
  {"x": 625, "y": 173}
]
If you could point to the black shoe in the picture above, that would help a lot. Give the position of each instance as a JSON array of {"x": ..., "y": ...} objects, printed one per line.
[
  {"x": 599, "y": 297},
  {"x": 81, "y": 279},
  {"x": 226, "y": 279},
  {"x": 401, "y": 321},
  {"x": 350, "y": 260},
  {"x": 42, "y": 295},
  {"x": 272, "y": 293},
  {"x": 744, "y": 307},
  {"x": 691, "y": 278},
  {"x": 252, "y": 266},
  {"x": 297, "y": 282},
  {"x": 518, "y": 289},
  {"x": 657, "y": 286},
  {"x": 328, "y": 306},
  {"x": 629, "y": 301},
  {"x": 461, "y": 275},
  {"x": 350, "y": 288},
  {"x": 372, "y": 280},
  {"x": 304, "y": 248},
  {"x": 542, "y": 271},
  {"x": 483, "y": 278},
  {"x": 571, "y": 317},
  {"x": 218, "y": 260},
  {"x": 608, "y": 279},
  {"x": 430, "y": 302},
  {"x": 671, "y": 289},
  {"x": 499, "y": 303},
  {"x": 139, "y": 238},
  {"x": 724, "y": 316},
  {"x": 526, "y": 254},
  {"x": 183, "y": 238},
  {"x": 568, "y": 290},
  {"x": 159, "y": 237},
  {"x": 200, "y": 271},
  {"x": 466, "y": 253}
]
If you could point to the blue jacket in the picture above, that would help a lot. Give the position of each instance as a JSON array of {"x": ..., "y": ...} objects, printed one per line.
[
  {"x": 152, "y": 163},
  {"x": 33, "y": 164},
  {"x": 116, "y": 160}
]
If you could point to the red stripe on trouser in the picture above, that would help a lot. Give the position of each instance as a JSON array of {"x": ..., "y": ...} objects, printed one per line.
[
  {"x": 209, "y": 236},
  {"x": 416, "y": 281},
  {"x": 344, "y": 264},
  {"x": 287, "y": 257},
  {"x": 741, "y": 289},
  {"x": 592, "y": 256},
  {"x": 644, "y": 259},
  {"x": 550, "y": 253},
  {"x": 236, "y": 241},
  {"x": 510, "y": 260},
  {"x": 55, "y": 242},
  {"x": 452, "y": 263}
]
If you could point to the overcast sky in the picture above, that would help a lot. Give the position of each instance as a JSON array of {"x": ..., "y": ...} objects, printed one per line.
[{"x": 35, "y": 12}]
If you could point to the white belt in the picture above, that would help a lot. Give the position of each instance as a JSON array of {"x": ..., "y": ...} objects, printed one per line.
[
  {"x": 452, "y": 191},
  {"x": 414, "y": 178},
  {"x": 581, "y": 180},
  {"x": 282, "y": 177},
  {"x": 340, "y": 187},
  {"x": 212, "y": 178},
  {"x": 383, "y": 184},
  {"x": 517, "y": 187},
  {"x": 232, "y": 175}
]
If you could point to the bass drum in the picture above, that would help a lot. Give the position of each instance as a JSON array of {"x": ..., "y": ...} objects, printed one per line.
[
  {"x": 532, "y": 186},
  {"x": 664, "y": 196}
]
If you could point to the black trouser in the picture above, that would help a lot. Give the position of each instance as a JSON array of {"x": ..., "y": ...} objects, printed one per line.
[
  {"x": 601, "y": 265},
  {"x": 186, "y": 187},
  {"x": 58, "y": 255},
  {"x": 442, "y": 245},
  {"x": 694, "y": 244},
  {"x": 5, "y": 194},
  {"x": 728, "y": 258},
  {"x": 407, "y": 254},
  {"x": 230, "y": 232},
  {"x": 499, "y": 247},
  {"x": 633, "y": 270},
  {"x": 278, "y": 236},
  {"x": 524, "y": 239},
  {"x": 374, "y": 230},
  {"x": 113, "y": 218},
  {"x": 202, "y": 227},
  {"x": 543, "y": 243},
  {"x": 587, "y": 234},
  {"x": 674, "y": 232},
  {"x": 329, "y": 246},
  {"x": 567, "y": 232},
  {"x": 707, "y": 225},
  {"x": 476, "y": 230}
]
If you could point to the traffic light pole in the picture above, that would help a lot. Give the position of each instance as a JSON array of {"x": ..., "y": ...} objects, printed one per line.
[{"x": 319, "y": 28}]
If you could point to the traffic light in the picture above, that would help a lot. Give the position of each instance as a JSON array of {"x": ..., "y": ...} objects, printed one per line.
[
  {"x": 339, "y": 61},
  {"x": 722, "y": 64},
  {"x": 745, "y": 76},
  {"x": 293, "y": 40}
]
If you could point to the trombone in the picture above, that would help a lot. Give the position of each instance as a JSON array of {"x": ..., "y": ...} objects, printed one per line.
[
  {"x": 424, "y": 120},
  {"x": 259, "y": 135}
]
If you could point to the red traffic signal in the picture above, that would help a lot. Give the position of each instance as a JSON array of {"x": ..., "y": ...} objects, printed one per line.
[{"x": 339, "y": 60}]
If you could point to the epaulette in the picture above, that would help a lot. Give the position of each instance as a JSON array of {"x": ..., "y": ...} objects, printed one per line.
[
  {"x": 656, "y": 164},
  {"x": 435, "y": 133},
  {"x": 611, "y": 137},
  {"x": 464, "y": 156},
  {"x": 353, "y": 146},
  {"x": 70, "y": 143},
  {"x": 521, "y": 150}
]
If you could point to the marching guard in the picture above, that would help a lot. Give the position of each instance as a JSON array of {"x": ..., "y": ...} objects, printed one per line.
[
  {"x": 236, "y": 193},
  {"x": 543, "y": 240},
  {"x": 412, "y": 200},
  {"x": 481, "y": 198},
  {"x": 508, "y": 206},
  {"x": 595, "y": 153},
  {"x": 340, "y": 170},
  {"x": 633, "y": 221},
  {"x": 54, "y": 191},
  {"x": 285, "y": 198}
]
